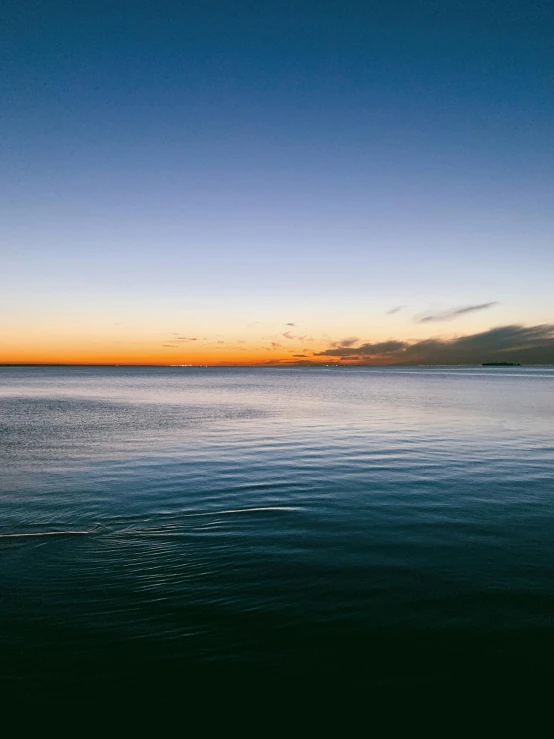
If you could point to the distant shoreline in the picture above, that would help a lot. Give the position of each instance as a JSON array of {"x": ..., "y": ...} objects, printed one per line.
[{"x": 268, "y": 366}]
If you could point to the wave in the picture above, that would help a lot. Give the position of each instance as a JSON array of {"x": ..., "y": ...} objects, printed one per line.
[
  {"x": 45, "y": 533},
  {"x": 134, "y": 530}
]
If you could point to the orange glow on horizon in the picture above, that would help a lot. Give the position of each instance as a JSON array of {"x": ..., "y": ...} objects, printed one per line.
[
  {"x": 248, "y": 357},
  {"x": 153, "y": 356}
]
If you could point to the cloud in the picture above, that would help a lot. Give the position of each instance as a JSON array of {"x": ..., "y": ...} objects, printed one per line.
[
  {"x": 343, "y": 343},
  {"x": 289, "y": 324},
  {"x": 515, "y": 343},
  {"x": 275, "y": 344},
  {"x": 170, "y": 346},
  {"x": 394, "y": 310},
  {"x": 382, "y": 348},
  {"x": 290, "y": 336},
  {"x": 187, "y": 338},
  {"x": 449, "y": 315},
  {"x": 370, "y": 350},
  {"x": 299, "y": 355}
]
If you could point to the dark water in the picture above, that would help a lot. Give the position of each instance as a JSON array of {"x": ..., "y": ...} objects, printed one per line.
[{"x": 376, "y": 527}]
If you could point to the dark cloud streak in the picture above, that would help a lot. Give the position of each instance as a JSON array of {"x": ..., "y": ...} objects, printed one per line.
[{"x": 449, "y": 315}]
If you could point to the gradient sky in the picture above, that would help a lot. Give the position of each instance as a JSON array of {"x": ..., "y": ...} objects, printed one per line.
[{"x": 243, "y": 182}]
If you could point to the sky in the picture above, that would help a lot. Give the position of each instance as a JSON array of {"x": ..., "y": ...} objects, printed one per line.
[{"x": 277, "y": 182}]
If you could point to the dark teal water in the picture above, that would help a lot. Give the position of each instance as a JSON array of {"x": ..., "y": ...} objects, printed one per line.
[{"x": 380, "y": 527}]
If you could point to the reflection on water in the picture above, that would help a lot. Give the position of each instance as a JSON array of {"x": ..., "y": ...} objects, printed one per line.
[{"x": 383, "y": 525}]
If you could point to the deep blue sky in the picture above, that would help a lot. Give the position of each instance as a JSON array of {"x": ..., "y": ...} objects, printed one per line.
[{"x": 172, "y": 165}]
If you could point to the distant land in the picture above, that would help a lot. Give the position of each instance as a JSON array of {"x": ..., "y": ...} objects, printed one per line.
[{"x": 272, "y": 366}]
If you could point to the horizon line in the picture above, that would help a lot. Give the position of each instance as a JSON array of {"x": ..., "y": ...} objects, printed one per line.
[{"x": 258, "y": 366}]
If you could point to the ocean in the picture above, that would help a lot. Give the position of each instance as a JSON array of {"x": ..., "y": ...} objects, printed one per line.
[{"x": 375, "y": 527}]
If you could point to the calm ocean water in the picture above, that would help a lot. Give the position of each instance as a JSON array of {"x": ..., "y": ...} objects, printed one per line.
[{"x": 380, "y": 526}]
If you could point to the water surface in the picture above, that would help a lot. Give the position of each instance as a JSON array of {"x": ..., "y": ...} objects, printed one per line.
[{"x": 380, "y": 526}]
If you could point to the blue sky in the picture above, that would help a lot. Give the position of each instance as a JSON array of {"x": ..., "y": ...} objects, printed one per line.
[{"x": 223, "y": 168}]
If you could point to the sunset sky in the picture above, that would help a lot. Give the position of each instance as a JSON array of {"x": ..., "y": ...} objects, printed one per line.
[{"x": 269, "y": 182}]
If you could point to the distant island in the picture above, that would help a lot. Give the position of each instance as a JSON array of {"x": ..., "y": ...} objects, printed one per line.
[{"x": 500, "y": 364}]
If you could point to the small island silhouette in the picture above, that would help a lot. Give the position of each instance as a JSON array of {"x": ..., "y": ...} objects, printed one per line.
[{"x": 501, "y": 364}]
